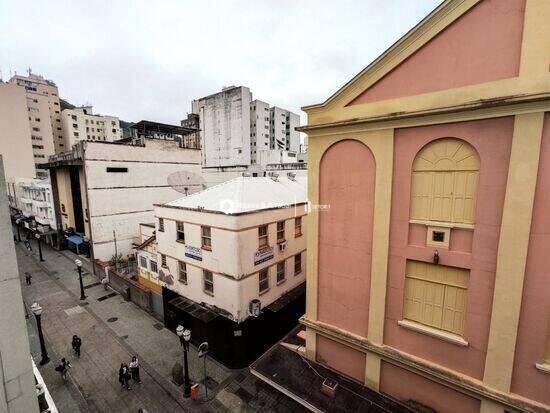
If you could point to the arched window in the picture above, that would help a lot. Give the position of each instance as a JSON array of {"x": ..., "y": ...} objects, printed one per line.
[{"x": 444, "y": 182}]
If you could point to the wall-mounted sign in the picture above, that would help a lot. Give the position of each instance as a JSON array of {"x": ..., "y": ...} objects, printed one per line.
[
  {"x": 193, "y": 252},
  {"x": 263, "y": 255}
]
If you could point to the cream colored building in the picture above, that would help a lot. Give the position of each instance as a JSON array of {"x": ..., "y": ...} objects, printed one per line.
[
  {"x": 81, "y": 123},
  {"x": 238, "y": 241},
  {"x": 17, "y": 387},
  {"x": 44, "y": 116},
  {"x": 15, "y": 137}
]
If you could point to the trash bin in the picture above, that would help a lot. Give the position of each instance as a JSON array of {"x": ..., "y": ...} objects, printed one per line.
[{"x": 194, "y": 392}]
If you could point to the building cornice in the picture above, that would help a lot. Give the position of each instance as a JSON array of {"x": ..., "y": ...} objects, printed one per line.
[
  {"x": 432, "y": 371},
  {"x": 480, "y": 109}
]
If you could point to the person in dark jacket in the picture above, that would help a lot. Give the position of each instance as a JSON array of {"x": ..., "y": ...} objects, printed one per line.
[
  {"x": 124, "y": 376},
  {"x": 76, "y": 343},
  {"x": 28, "y": 278}
]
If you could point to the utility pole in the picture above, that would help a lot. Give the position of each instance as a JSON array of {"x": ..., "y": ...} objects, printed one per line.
[{"x": 116, "y": 251}]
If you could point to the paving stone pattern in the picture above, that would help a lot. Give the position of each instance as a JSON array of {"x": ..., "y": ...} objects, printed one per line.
[{"x": 93, "y": 384}]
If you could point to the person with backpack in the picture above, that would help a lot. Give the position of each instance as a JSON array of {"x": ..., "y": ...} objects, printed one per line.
[
  {"x": 76, "y": 343},
  {"x": 63, "y": 368},
  {"x": 124, "y": 376}
]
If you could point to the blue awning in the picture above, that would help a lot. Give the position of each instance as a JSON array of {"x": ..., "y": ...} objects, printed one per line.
[{"x": 75, "y": 239}]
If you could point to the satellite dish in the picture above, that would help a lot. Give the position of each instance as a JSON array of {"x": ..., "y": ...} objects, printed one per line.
[{"x": 186, "y": 182}]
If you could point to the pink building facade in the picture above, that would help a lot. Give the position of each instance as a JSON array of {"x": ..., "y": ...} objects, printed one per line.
[{"x": 429, "y": 277}]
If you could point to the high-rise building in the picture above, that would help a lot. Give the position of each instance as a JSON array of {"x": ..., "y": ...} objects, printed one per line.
[
  {"x": 82, "y": 124},
  {"x": 234, "y": 129},
  {"x": 44, "y": 115},
  {"x": 225, "y": 127},
  {"x": 15, "y": 137}
]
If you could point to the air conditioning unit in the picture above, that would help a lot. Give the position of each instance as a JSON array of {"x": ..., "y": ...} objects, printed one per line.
[{"x": 282, "y": 246}]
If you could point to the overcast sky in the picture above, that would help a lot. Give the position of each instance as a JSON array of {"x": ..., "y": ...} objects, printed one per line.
[{"x": 148, "y": 60}]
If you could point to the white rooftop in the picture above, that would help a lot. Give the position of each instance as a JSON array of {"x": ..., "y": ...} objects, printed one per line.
[{"x": 247, "y": 194}]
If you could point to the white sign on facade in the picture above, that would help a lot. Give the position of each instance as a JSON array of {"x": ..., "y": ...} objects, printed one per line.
[
  {"x": 263, "y": 255},
  {"x": 193, "y": 252}
]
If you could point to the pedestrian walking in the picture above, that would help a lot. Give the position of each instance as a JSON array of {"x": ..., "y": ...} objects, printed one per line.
[
  {"x": 76, "y": 343},
  {"x": 134, "y": 369},
  {"x": 28, "y": 245},
  {"x": 63, "y": 368},
  {"x": 124, "y": 376},
  {"x": 28, "y": 278}
]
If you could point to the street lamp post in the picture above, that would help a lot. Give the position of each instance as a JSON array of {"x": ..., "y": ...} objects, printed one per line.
[
  {"x": 79, "y": 267},
  {"x": 185, "y": 336},
  {"x": 17, "y": 222},
  {"x": 39, "y": 246},
  {"x": 37, "y": 310}
]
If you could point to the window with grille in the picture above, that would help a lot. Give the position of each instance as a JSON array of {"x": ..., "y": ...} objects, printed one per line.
[
  {"x": 298, "y": 226},
  {"x": 435, "y": 295},
  {"x": 163, "y": 260},
  {"x": 161, "y": 225},
  {"x": 180, "y": 232},
  {"x": 263, "y": 239},
  {"x": 297, "y": 264},
  {"x": 182, "y": 270},
  {"x": 208, "y": 279},
  {"x": 153, "y": 265},
  {"x": 264, "y": 280},
  {"x": 280, "y": 231},
  {"x": 281, "y": 272},
  {"x": 143, "y": 262},
  {"x": 206, "y": 237},
  {"x": 444, "y": 182}
]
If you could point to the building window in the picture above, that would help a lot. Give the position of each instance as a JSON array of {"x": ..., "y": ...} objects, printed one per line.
[
  {"x": 36, "y": 129},
  {"x": 153, "y": 265},
  {"x": 435, "y": 295},
  {"x": 73, "y": 117},
  {"x": 298, "y": 227},
  {"x": 76, "y": 134},
  {"x": 208, "y": 281},
  {"x": 264, "y": 280},
  {"x": 281, "y": 272},
  {"x": 280, "y": 231},
  {"x": 180, "y": 237},
  {"x": 163, "y": 260},
  {"x": 263, "y": 238},
  {"x": 297, "y": 264},
  {"x": 75, "y": 125},
  {"x": 206, "y": 237},
  {"x": 114, "y": 169},
  {"x": 444, "y": 182},
  {"x": 161, "y": 225},
  {"x": 143, "y": 262},
  {"x": 182, "y": 271}
]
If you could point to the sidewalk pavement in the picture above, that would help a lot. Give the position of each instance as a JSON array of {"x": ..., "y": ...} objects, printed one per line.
[{"x": 112, "y": 330}]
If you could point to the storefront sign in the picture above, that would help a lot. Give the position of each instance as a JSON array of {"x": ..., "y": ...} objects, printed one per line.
[
  {"x": 193, "y": 252},
  {"x": 263, "y": 255}
]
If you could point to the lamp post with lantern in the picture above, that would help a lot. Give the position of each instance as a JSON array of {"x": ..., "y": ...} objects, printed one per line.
[
  {"x": 185, "y": 337},
  {"x": 37, "y": 311},
  {"x": 39, "y": 246},
  {"x": 17, "y": 222},
  {"x": 79, "y": 268}
]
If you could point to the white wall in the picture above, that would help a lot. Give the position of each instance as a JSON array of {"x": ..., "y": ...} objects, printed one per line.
[
  {"x": 120, "y": 201},
  {"x": 234, "y": 242},
  {"x": 225, "y": 127}
]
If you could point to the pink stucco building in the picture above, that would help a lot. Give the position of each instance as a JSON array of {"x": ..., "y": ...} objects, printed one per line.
[{"x": 428, "y": 262}]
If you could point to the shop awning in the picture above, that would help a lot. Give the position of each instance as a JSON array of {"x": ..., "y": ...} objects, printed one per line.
[
  {"x": 196, "y": 310},
  {"x": 287, "y": 298},
  {"x": 75, "y": 239}
]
